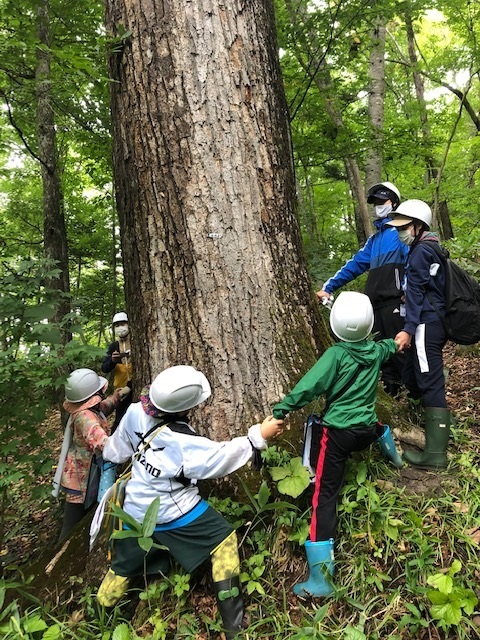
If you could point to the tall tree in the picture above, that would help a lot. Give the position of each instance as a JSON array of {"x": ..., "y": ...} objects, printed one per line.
[
  {"x": 214, "y": 268},
  {"x": 312, "y": 56},
  {"x": 55, "y": 233},
  {"x": 376, "y": 99}
]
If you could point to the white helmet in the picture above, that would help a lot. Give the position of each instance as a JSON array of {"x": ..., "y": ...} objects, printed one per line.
[
  {"x": 120, "y": 317},
  {"x": 411, "y": 210},
  {"x": 179, "y": 388},
  {"x": 83, "y": 384},
  {"x": 384, "y": 191},
  {"x": 351, "y": 317}
]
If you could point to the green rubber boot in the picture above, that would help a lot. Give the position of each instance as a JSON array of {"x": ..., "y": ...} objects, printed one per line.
[{"x": 437, "y": 432}]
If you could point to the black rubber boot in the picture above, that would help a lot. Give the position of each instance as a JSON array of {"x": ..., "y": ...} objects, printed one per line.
[{"x": 230, "y": 604}]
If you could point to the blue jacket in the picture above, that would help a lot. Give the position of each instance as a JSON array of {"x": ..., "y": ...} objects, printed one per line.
[
  {"x": 384, "y": 257},
  {"x": 425, "y": 273}
]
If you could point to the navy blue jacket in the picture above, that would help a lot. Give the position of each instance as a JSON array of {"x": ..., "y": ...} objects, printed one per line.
[
  {"x": 384, "y": 257},
  {"x": 425, "y": 273}
]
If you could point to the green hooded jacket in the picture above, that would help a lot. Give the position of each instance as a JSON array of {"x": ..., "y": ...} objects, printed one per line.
[{"x": 356, "y": 406}]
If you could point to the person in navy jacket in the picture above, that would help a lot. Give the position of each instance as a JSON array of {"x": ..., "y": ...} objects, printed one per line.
[
  {"x": 384, "y": 257},
  {"x": 424, "y": 335}
]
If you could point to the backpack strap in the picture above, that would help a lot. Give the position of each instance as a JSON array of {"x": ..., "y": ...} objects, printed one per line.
[
  {"x": 336, "y": 396},
  {"x": 444, "y": 256}
]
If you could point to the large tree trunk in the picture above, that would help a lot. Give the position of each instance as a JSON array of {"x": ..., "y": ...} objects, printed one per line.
[
  {"x": 55, "y": 235},
  {"x": 214, "y": 269}
]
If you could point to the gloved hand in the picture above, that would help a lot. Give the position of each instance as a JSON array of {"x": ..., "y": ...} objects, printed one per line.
[{"x": 123, "y": 392}]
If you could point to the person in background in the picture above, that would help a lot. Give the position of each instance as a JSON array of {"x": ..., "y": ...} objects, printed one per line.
[
  {"x": 118, "y": 360},
  {"x": 168, "y": 458},
  {"x": 384, "y": 257},
  {"x": 88, "y": 408},
  {"x": 424, "y": 335},
  {"x": 347, "y": 373}
]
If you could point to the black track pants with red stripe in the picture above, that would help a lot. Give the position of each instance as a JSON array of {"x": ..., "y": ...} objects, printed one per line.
[{"x": 334, "y": 448}]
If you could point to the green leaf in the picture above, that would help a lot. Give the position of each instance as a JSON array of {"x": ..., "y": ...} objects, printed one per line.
[
  {"x": 294, "y": 486},
  {"x": 361, "y": 473},
  {"x": 437, "y": 597},
  {"x": 53, "y": 633},
  {"x": 35, "y": 623},
  {"x": 122, "y": 632},
  {"x": 353, "y": 633},
  {"x": 278, "y": 473},
  {"x": 125, "y": 533},
  {"x": 448, "y": 613},
  {"x": 263, "y": 495},
  {"x": 145, "y": 543},
  {"x": 125, "y": 517},
  {"x": 392, "y": 532},
  {"x": 455, "y": 568},
  {"x": 442, "y": 582},
  {"x": 151, "y": 517},
  {"x": 321, "y": 613}
]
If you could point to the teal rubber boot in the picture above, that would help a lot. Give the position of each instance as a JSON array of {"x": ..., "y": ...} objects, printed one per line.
[
  {"x": 389, "y": 450},
  {"x": 321, "y": 564},
  {"x": 437, "y": 432}
]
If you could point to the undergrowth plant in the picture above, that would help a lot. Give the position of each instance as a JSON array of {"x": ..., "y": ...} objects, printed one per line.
[{"x": 406, "y": 567}]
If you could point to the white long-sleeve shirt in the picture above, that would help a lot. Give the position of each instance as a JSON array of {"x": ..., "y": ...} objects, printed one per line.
[{"x": 171, "y": 464}]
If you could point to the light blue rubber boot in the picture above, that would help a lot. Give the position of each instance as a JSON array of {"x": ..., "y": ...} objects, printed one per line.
[
  {"x": 387, "y": 445},
  {"x": 321, "y": 563},
  {"x": 107, "y": 478}
]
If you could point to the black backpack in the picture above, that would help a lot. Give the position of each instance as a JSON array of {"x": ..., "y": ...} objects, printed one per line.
[{"x": 462, "y": 301}]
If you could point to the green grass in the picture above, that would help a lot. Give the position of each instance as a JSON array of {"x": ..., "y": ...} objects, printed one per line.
[{"x": 407, "y": 567}]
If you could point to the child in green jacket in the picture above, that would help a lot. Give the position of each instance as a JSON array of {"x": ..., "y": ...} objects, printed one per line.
[{"x": 347, "y": 374}]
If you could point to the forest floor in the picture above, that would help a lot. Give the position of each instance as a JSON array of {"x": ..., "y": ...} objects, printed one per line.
[{"x": 34, "y": 528}]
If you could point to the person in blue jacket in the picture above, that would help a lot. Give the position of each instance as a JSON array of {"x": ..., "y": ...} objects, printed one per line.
[
  {"x": 424, "y": 335},
  {"x": 384, "y": 257}
]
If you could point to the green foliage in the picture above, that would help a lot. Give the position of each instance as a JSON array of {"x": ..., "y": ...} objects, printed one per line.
[
  {"x": 141, "y": 531},
  {"x": 254, "y": 570},
  {"x": 34, "y": 363},
  {"x": 450, "y": 601},
  {"x": 292, "y": 479},
  {"x": 38, "y": 623}
]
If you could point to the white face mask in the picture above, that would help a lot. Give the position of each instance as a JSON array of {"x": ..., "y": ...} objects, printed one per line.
[
  {"x": 406, "y": 236},
  {"x": 382, "y": 210},
  {"x": 121, "y": 332}
]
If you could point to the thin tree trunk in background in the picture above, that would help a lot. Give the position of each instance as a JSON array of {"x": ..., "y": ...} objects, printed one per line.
[
  {"x": 114, "y": 261},
  {"x": 55, "y": 235},
  {"x": 214, "y": 267},
  {"x": 440, "y": 212},
  {"x": 54, "y": 229},
  {"x": 311, "y": 62},
  {"x": 363, "y": 225},
  {"x": 307, "y": 209},
  {"x": 376, "y": 105}
]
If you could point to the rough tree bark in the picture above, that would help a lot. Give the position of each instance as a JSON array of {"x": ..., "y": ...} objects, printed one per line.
[
  {"x": 376, "y": 104},
  {"x": 214, "y": 269},
  {"x": 54, "y": 231}
]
